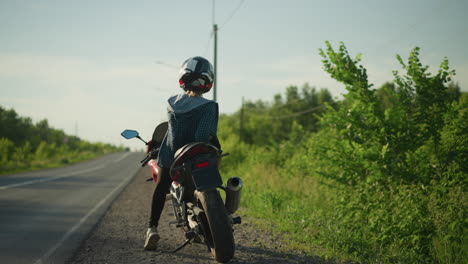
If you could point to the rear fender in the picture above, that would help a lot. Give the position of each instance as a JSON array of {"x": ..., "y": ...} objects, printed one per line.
[
  {"x": 205, "y": 173},
  {"x": 198, "y": 162}
]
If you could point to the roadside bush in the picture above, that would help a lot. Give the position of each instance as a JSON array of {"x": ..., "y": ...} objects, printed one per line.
[
  {"x": 387, "y": 163},
  {"x": 383, "y": 179}
]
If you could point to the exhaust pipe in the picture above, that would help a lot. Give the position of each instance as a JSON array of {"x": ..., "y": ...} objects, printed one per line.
[{"x": 233, "y": 191}]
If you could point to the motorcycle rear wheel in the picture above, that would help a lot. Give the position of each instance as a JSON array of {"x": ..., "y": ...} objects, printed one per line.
[{"x": 221, "y": 239}]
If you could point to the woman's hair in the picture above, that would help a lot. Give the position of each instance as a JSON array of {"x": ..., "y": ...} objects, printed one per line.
[{"x": 194, "y": 93}]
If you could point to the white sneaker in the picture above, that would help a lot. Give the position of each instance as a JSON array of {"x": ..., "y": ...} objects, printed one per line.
[{"x": 152, "y": 238}]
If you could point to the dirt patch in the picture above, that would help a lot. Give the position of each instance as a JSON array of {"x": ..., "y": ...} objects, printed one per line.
[{"x": 119, "y": 236}]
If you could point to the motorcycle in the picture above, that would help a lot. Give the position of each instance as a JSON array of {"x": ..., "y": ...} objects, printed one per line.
[{"x": 197, "y": 204}]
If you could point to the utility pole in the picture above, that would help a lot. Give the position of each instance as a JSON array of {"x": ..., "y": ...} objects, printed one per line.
[
  {"x": 241, "y": 128},
  {"x": 215, "y": 60}
]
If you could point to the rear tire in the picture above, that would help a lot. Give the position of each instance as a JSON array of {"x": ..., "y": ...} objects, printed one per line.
[{"x": 221, "y": 239}]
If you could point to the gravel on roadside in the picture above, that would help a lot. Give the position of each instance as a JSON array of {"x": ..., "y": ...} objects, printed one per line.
[{"x": 119, "y": 236}]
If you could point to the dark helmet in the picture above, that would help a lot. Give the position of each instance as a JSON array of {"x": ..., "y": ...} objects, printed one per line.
[{"x": 196, "y": 75}]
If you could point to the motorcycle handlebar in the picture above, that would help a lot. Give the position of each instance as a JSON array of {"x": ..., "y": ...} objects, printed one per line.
[
  {"x": 145, "y": 160},
  {"x": 152, "y": 155}
]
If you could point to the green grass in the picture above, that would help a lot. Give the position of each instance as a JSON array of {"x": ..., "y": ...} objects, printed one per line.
[
  {"x": 291, "y": 207},
  {"x": 55, "y": 162},
  {"x": 355, "y": 224}
]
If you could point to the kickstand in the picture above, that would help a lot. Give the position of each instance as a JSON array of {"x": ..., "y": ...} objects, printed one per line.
[{"x": 187, "y": 241}]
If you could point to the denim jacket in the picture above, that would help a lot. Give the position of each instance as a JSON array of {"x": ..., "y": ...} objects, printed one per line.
[{"x": 191, "y": 119}]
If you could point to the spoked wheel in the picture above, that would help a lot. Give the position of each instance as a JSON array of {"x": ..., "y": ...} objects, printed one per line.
[
  {"x": 219, "y": 236},
  {"x": 178, "y": 214}
]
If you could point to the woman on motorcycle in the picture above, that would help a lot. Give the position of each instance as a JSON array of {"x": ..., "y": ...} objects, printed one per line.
[{"x": 191, "y": 118}]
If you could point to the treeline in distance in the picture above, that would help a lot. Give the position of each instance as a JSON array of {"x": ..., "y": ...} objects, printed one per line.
[{"x": 26, "y": 146}]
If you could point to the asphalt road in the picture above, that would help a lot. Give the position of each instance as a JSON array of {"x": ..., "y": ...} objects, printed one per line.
[{"x": 45, "y": 215}]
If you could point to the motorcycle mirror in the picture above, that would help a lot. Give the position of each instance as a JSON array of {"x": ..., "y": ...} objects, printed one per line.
[{"x": 128, "y": 134}]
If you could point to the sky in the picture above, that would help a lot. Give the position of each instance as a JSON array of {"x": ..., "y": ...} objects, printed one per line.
[{"x": 96, "y": 67}]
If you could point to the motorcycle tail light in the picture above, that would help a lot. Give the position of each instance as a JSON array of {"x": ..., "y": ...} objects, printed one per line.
[{"x": 201, "y": 165}]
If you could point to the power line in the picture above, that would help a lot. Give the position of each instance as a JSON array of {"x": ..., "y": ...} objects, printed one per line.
[
  {"x": 215, "y": 45},
  {"x": 282, "y": 104},
  {"x": 232, "y": 13},
  {"x": 208, "y": 44},
  {"x": 162, "y": 89},
  {"x": 213, "y": 13},
  {"x": 292, "y": 114},
  {"x": 409, "y": 29},
  {"x": 166, "y": 64}
]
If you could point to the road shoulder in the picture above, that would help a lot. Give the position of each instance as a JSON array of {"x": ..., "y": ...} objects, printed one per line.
[{"x": 119, "y": 236}]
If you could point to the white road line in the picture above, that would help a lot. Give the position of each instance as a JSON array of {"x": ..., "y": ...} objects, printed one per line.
[
  {"x": 121, "y": 158},
  {"x": 4, "y": 187},
  {"x": 51, "y": 251}
]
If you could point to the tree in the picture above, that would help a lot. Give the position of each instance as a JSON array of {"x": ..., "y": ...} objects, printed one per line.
[{"x": 388, "y": 150}]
